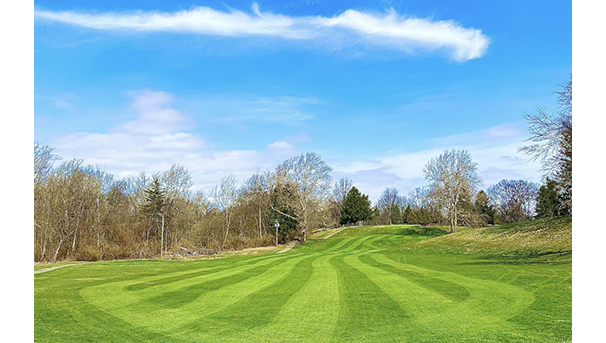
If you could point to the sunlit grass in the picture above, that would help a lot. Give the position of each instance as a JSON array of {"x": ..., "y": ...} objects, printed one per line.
[{"x": 369, "y": 284}]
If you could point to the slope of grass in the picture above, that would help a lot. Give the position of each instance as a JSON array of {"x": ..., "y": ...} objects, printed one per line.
[
  {"x": 547, "y": 239},
  {"x": 366, "y": 284}
]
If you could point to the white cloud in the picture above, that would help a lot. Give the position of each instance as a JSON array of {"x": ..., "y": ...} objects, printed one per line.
[
  {"x": 159, "y": 137},
  {"x": 410, "y": 34},
  {"x": 66, "y": 101},
  {"x": 503, "y": 131},
  {"x": 388, "y": 30},
  {"x": 282, "y": 148},
  {"x": 66, "y": 105},
  {"x": 154, "y": 116}
]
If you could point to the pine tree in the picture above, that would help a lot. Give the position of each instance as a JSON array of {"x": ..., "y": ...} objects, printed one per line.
[
  {"x": 406, "y": 216},
  {"x": 396, "y": 214},
  {"x": 355, "y": 208},
  {"x": 154, "y": 208},
  {"x": 280, "y": 198},
  {"x": 549, "y": 201},
  {"x": 154, "y": 201},
  {"x": 483, "y": 208}
]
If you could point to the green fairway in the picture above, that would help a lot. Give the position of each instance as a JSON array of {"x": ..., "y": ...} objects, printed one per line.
[{"x": 369, "y": 284}]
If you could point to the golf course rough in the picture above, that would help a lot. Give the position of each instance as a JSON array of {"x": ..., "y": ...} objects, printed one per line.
[{"x": 360, "y": 285}]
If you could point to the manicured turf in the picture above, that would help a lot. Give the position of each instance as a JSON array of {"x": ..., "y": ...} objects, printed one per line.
[{"x": 362, "y": 285}]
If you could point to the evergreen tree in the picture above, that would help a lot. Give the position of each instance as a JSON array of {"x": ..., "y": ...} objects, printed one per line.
[
  {"x": 154, "y": 206},
  {"x": 396, "y": 214},
  {"x": 375, "y": 214},
  {"x": 355, "y": 208},
  {"x": 483, "y": 208},
  {"x": 549, "y": 201},
  {"x": 425, "y": 217},
  {"x": 154, "y": 199},
  {"x": 406, "y": 215},
  {"x": 280, "y": 199}
]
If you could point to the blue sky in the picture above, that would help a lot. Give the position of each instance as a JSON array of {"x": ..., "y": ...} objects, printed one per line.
[{"x": 376, "y": 87}]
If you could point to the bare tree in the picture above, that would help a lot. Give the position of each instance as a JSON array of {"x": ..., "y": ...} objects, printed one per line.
[
  {"x": 311, "y": 175},
  {"x": 453, "y": 179},
  {"x": 177, "y": 181},
  {"x": 43, "y": 161},
  {"x": 419, "y": 197},
  {"x": 105, "y": 179},
  {"x": 224, "y": 196},
  {"x": 552, "y": 142},
  {"x": 388, "y": 199},
  {"x": 341, "y": 188},
  {"x": 514, "y": 200},
  {"x": 255, "y": 194}
]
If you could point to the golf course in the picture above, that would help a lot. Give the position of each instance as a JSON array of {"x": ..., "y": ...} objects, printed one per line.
[{"x": 392, "y": 283}]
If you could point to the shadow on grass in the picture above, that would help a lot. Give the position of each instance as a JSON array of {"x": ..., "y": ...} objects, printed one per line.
[
  {"x": 527, "y": 257},
  {"x": 421, "y": 231}
]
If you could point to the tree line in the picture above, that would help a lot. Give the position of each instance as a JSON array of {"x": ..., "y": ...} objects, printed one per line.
[{"x": 84, "y": 213}]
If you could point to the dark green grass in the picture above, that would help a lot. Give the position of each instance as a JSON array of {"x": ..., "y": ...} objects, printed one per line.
[{"x": 368, "y": 284}]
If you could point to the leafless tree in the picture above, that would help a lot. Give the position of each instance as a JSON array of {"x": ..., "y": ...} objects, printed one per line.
[
  {"x": 388, "y": 199},
  {"x": 224, "y": 195},
  {"x": 311, "y": 175},
  {"x": 177, "y": 181},
  {"x": 43, "y": 161},
  {"x": 514, "y": 200},
  {"x": 105, "y": 179},
  {"x": 453, "y": 180},
  {"x": 255, "y": 195},
  {"x": 551, "y": 138},
  {"x": 419, "y": 197},
  {"x": 341, "y": 188}
]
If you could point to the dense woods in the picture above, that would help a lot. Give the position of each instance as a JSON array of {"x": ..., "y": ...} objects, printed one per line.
[{"x": 82, "y": 212}]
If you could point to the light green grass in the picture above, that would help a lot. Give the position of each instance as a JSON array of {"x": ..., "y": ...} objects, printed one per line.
[{"x": 368, "y": 284}]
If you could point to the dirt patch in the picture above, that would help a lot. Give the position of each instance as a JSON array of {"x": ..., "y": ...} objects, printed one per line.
[
  {"x": 49, "y": 269},
  {"x": 288, "y": 247},
  {"x": 334, "y": 232}
]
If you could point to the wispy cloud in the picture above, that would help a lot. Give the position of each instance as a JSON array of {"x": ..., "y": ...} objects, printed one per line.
[
  {"x": 65, "y": 105},
  {"x": 243, "y": 109},
  {"x": 388, "y": 30},
  {"x": 66, "y": 102}
]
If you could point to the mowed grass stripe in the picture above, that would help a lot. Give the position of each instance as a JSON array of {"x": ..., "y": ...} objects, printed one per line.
[
  {"x": 256, "y": 309},
  {"x": 481, "y": 317},
  {"x": 449, "y": 290},
  {"x": 182, "y": 296},
  {"x": 366, "y": 312},
  {"x": 432, "y": 317},
  {"x": 216, "y": 295},
  {"x": 311, "y": 314},
  {"x": 112, "y": 295},
  {"x": 68, "y": 317},
  {"x": 341, "y": 243},
  {"x": 358, "y": 244},
  {"x": 171, "y": 277}
]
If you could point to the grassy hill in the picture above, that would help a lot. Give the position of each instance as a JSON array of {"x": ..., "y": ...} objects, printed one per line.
[
  {"x": 545, "y": 239},
  {"x": 366, "y": 284}
]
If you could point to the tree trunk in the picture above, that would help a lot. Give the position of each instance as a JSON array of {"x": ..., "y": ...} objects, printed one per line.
[
  {"x": 58, "y": 248},
  {"x": 259, "y": 224},
  {"x": 226, "y": 227},
  {"x": 74, "y": 242}
]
